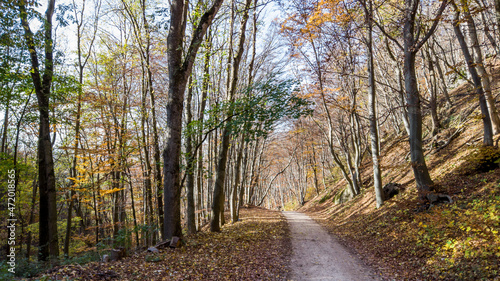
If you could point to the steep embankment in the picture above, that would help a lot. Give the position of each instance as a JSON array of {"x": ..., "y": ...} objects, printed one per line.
[{"x": 458, "y": 241}]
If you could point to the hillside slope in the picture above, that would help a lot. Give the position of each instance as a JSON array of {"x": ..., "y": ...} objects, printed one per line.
[{"x": 405, "y": 239}]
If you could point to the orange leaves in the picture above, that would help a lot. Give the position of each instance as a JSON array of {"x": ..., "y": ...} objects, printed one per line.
[
  {"x": 110, "y": 191},
  {"x": 331, "y": 11},
  {"x": 309, "y": 17}
]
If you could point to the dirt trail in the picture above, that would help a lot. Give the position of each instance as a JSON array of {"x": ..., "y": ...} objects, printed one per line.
[{"x": 318, "y": 256}]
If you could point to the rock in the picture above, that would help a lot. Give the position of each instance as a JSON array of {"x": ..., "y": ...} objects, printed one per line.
[
  {"x": 342, "y": 197},
  {"x": 153, "y": 258},
  {"x": 153, "y": 250},
  {"x": 105, "y": 258},
  {"x": 390, "y": 190},
  {"x": 175, "y": 243},
  {"x": 435, "y": 199}
]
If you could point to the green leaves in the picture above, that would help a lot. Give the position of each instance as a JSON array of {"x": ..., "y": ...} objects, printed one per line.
[
  {"x": 258, "y": 110},
  {"x": 265, "y": 104}
]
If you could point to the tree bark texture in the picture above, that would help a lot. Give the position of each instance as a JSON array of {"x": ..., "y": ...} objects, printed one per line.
[
  {"x": 410, "y": 47},
  {"x": 48, "y": 243},
  {"x": 179, "y": 70},
  {"x": 377, "y": 178}
]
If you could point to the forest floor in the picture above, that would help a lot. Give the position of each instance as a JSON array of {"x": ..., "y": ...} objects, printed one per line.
[
  {"x": 406, "y": 239},
  {"x": 255, "y": 248},
  {"x": 317, "y": 255},
  {"x": 457, "y": 241}
]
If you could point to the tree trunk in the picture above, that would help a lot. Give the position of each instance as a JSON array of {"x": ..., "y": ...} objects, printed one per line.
[
  {"x": 30, "y": 221},
  {"x": 178, "y": 71},
  {"x": 190, "y": 165},
  {"x": 156, "y": 143},
  {"x": 497, "y": 15},
  {"x": 377, "y": 178},
  {"x": 134, "y": 217},
  {"x": 201, "y": 115},
  {"x": 234, "y": 189},
  {"x": 482, "y": 11},
  {"x": 487, "y": 128},
  {"x": 48, "y": 244},
  {"x": 431, "y": 82},
  {"x": 411, "y": 47},
  {"x": 481, "y": 69},
  {"x": 5, "y": 127},
  {"x": 217, "y": 206},
  {"x": 441, "y": 77}
]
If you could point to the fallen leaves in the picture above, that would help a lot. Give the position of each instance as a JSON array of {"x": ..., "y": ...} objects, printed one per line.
[
  {"x": 255, "y": 248},
  {"x": 457, "y": 241}
]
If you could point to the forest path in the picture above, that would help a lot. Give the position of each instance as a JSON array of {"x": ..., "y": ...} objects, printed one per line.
[{"x": 318, "y": 256}]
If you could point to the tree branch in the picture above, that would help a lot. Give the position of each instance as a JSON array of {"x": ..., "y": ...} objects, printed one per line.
[{"x": 433, "y": 27}]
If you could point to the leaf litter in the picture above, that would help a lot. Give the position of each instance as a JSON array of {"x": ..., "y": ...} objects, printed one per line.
[{"x": 255, "y": 248}]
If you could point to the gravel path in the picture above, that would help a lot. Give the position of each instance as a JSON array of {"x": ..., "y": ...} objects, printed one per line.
[{"x": 318, "y": 256}]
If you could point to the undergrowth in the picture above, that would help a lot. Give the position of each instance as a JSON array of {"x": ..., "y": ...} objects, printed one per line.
[{"x": 481, "y": 159}]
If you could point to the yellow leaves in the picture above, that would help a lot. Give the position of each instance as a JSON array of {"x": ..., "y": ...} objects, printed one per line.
[
  {"x": 81, "y": 169},
  {"x": 110, "y": 191},
  {"x": 451, "y": 223},
  {"x": 72, "y": 179}
]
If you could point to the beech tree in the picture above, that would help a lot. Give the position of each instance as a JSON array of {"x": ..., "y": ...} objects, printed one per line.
[
  {"x": 487, "y": 127},
  {"x": 377, "y": 178},
  {"x": 218, "y": 203},
  {"x": 179, "y": 67},
  {"x": 411, "y": 45},
  {"x": 42, "y": 81}
]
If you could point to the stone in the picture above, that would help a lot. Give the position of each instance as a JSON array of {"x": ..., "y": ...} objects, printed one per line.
[
  {"x": 153, "y": 250},
  {"x": 342, "y": 197},
  {"x": 390, "y": 190},
  {"x": 435, "y": 199}
]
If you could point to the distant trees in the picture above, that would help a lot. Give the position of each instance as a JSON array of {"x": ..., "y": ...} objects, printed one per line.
[
  {"x": 218, "y": 199},
  {"x": 239, "y": 119},
  {"x": 317, "y": 34}
]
